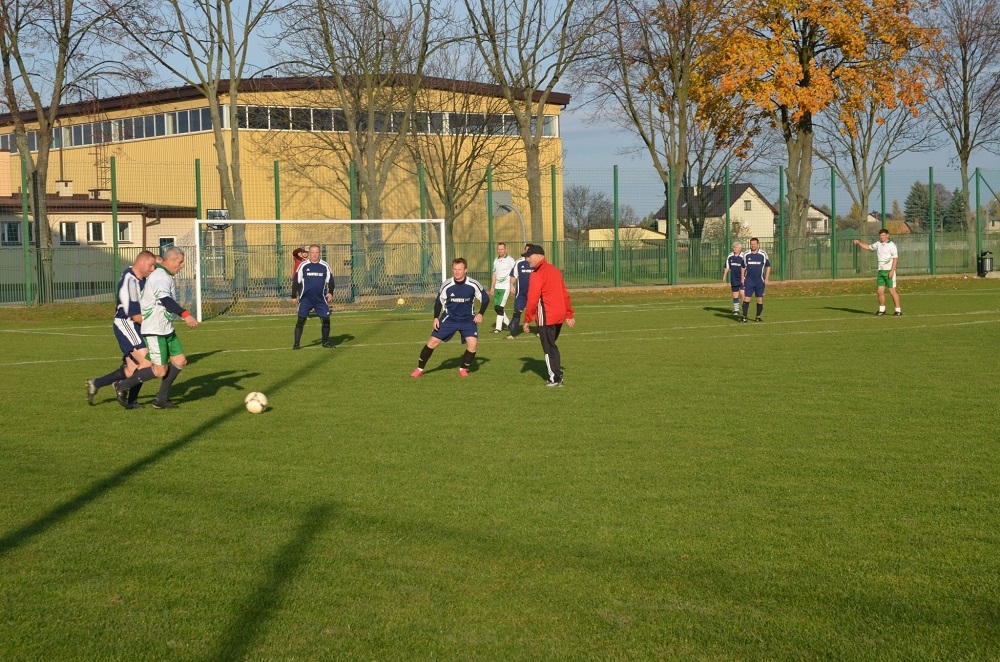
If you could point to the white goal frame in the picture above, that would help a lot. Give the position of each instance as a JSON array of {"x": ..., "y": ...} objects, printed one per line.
[{"x": 199, "y": 222}]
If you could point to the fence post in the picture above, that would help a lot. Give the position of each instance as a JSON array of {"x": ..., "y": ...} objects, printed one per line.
[
  {"x": 671, "y": 230},
  {"x": 979, "y": 218},
  {"x": 352, "y": 189},
  {"x": 833, "y": 223},
  {"x": 277, "y": 226},
  {"x": 197, "y": 192},
  {"x": 117, "y": 260},
  {"x": 29, "y": 295},
  {"x": 616, "y": 270},
  {"x": 555, "y": 224},
  {"x": 423, "y": 226},
  {"x": 781, "y": 222},
  {"x": 489, "y": 213},
  {"x": 881, "y": 176},
  {"x": 931, "y": 240},
  {"x": 727, "y": 220}
]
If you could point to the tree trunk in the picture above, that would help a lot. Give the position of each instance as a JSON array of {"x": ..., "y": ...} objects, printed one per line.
[
  {"x": 799, "y": 176},
  {"x": 534, "y": 178}
]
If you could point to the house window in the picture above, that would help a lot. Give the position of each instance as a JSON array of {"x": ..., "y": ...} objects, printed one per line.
[
  {"x": 748, "y": 205},
  {"x": 95, "y": 232},
  {"x": 125, "y": 232},
  {"x": 166, "y": 242},
  {"x": 67, "y": 233},
  {"x": 11, "y": 234}
]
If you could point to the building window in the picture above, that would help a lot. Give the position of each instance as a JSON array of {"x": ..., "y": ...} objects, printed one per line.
[
  {"x": 125, "y": 232},
  {"x": 67, "y": 233},
  {"x": 166, "y": 242},
  {"x": 10, "y": 233},
  {"x": 95, "y": 232},
  {"x": 748, "y": 205}
]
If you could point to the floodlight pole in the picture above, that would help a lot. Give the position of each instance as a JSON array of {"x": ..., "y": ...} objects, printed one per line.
[{"x": 512, "y": 208}]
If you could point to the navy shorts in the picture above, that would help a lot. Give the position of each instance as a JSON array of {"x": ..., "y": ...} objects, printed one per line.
[
  {"x": 736, "y": 287},
  {"x": 321, "y": 307},
  {"x": 128, "y": 336},
  {"x": 448, "y": 328},
  {"x": 754, "y": 289}
]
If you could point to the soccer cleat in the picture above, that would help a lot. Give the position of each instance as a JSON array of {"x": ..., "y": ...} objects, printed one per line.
[
  {"x": 555, "y": 383},
  {"x": 743, "y": 320},
  {"x": 166, "y": 404},
  {"x": 328, "y": 344},
  {"x": 757, "y": 319},
  {"x": 91, "y": 391},
  {"x": 462, "y": 372},
  {"x": 120, "y": 396},
  {"x": 509, "y": 338},
  {"x": 496, "y": 330},
  {"x": 898, "y": 313},
  {"x": 416, "y": 373},
  {"x": 879, "y": 313},
  {"x": 135, "y": 405},
  {"x": 296, "y": 346},
  {"x": 736, "y": 312}
]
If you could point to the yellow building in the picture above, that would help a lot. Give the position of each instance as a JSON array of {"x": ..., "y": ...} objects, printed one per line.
[{"x": 155, "y": 140}]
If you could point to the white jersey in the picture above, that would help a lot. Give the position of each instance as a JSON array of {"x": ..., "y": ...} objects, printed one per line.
[
  {"x": 885, "y": 254},
  {"x": 157, "y": 320},
  {"x": 502, "y": 266}
]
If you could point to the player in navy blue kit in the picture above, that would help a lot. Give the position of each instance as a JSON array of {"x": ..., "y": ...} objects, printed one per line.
[
  {"x": 756, "y": 275},
  {"x": 521, "y": 273},
  {"x": 128, "y": 317},
  {"x": 312, "y": 289},
  {"x": 735, "y": 263},
  {"x": 454, "y": 312}
]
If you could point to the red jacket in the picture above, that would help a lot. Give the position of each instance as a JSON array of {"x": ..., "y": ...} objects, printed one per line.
[{"x": 548, "y": 300}]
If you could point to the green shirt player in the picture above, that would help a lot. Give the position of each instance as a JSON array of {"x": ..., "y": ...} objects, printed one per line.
[
  {"x": 159, "y": 310},
  {"x": 888, "y": 256}
]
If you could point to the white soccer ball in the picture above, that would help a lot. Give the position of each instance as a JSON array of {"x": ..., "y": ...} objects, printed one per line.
[
  {"x": 256, "y": 402},
  {"x": 400, "y": 301}
]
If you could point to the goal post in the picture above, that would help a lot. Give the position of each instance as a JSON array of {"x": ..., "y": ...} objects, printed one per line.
[{"x": 245, "y": 267}]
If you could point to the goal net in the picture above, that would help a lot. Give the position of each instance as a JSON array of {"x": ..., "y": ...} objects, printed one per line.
[{"x": 238, "y": 267}]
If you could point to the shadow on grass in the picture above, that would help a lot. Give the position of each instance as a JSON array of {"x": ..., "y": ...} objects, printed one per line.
[
  {"x": 194, "y": 358},
  {"x": 248, "y": 629},
  {"x": 726, "y": 313},
  {"x": 336, "y": 340},
  {"x": 848, "y": 310},
  {"x": 454, "y": 362},
  {"x": 97, "y": 489},
  {"x": 207, "y": 385},
  {"x": 537, "y": 366}
]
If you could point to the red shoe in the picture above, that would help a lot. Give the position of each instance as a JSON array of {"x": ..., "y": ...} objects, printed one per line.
[
  {"x": 462, "y": 372},
  {"x": 416, "y": 373}
]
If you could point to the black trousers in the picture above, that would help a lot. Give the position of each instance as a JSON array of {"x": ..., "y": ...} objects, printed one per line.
[{"x": 549, "y": 334}]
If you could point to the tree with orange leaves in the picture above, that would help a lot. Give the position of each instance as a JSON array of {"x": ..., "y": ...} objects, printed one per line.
[{"x": 795, "y": 58}]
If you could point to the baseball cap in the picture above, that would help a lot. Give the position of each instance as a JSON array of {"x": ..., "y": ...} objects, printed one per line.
[{"x": 533, "y": 249}]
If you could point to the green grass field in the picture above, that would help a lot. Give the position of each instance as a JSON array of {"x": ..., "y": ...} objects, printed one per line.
[{"x": 825, "y": 485}]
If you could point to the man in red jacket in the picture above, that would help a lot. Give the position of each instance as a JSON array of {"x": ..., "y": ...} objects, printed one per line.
[{"x": 548, "y": 303}]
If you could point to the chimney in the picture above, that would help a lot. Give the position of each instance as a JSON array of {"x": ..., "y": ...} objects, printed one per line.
[
  {"x": 101, "y": 193},
  {"x": 64, "y": 188}
]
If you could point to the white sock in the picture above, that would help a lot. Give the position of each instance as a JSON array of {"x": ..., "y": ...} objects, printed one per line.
[{"x": 881, "y": 309}]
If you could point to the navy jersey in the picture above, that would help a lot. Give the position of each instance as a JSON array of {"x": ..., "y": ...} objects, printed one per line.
[
  {"x": 735, "y": 264},
  {"x": 313, "y": 280},
  {"x": 129, "y": 290},
  {"x": 458, "y": 300},
  {"x": 757, "y": 264},
  {"x": 522, "y": 272}
]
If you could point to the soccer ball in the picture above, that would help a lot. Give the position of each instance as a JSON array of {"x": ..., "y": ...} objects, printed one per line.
[
  {"x": 400, "y": 301},
  {"x": 256, "y": 402}
]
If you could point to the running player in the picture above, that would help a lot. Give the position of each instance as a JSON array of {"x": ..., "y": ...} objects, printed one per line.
[
  {"x": 312, "y": 289},
  {"x": 128, "y": 317},
  {"x": 456, "y": 299},
  {"x": 521, "y": 277},
  {"x": 756, "y": 276}
]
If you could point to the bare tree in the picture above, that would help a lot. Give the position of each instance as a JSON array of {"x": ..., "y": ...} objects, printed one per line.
[
  {"x": 205, "y": 44},
  {"x": 368, "y": 58},
  {"x": 965, "y": 96},
  {"x": 50, "y": 49},
  {"x": 583, "y": 209},
  {"x": 528, "y": 46},
  {"x": 876, "y": 135}
]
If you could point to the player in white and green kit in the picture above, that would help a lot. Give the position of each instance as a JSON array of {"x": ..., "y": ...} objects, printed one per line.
[
  {"x": 159, "y": 310},
  {"x": 500, "y": 285},
  {"x": 887, "y": 256}
]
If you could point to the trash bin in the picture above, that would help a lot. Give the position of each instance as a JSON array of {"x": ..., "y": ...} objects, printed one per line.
[{"x": 985, "y": 263}]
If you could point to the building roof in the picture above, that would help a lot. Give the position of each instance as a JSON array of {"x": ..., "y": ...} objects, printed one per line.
[
  {"x": 711, "y": 200},
  {"x": 82, "y": 203},
  {"x": 262, "y": 84}
]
